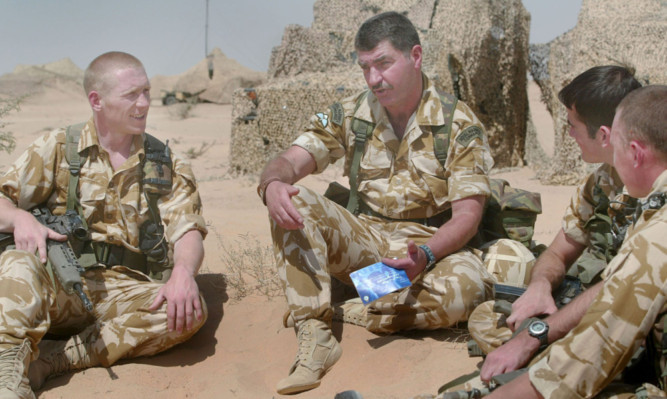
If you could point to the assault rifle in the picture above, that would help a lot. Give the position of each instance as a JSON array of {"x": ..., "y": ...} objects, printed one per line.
[{"x": 62, "y": 255}]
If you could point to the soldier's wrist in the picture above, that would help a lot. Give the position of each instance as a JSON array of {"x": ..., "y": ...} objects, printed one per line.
[{"x": 261, "y": 188}]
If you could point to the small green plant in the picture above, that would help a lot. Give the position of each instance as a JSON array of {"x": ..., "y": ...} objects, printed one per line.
[
  {"x": 7, "y": 140},
  {"x": 193, "y": 153},
  {"x": 249, "y": 267}
]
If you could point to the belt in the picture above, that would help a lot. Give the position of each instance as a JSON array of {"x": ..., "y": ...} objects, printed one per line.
[
  {"x": 433, "y": 221},
  {"x": 111, "y": 255}
]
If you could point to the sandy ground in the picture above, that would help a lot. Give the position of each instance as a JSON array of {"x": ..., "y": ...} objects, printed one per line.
[{"x": 243, "y": 350}]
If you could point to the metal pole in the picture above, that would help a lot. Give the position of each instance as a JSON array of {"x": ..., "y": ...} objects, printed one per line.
[{"x": 206, "y": 32}]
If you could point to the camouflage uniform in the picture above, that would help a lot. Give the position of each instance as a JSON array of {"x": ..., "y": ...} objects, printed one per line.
[
  {"x": 399, "y": 179},
  {"x": 488, "y": 328},
  {"x": 120, "y": 326},
  {"x": 629, "y": 309}
]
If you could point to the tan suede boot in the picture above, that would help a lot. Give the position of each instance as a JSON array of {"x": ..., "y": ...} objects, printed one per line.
[
  {"x": 318, "y": 352},
  {"x": 351, "y": 311},
  {"x": 14, "y": 363},
  {"x": 58, "y": 357}
]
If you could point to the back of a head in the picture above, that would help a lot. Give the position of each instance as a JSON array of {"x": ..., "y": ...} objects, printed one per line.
[
  {"x": 97, "y": 76},
  {"x": 391, "y": 26},
  {"x": 644, "y": 116},
  {"x": 596, "y": 93}
]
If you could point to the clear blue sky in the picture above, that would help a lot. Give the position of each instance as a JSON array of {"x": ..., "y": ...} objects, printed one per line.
[{"x": 168, "y": 35}]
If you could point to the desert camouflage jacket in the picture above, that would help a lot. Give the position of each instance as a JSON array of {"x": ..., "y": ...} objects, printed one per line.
[
  {"x": 631, "y": 305},
  {"x": 583, "y": 204},
  {"x": 112, "y": 201},
  {"x": 402, "y": 179}
]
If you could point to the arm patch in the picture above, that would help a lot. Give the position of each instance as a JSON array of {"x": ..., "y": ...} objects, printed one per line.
[
  {"x": 469, "y": 134},
  {"x": 337, "y": 114}
]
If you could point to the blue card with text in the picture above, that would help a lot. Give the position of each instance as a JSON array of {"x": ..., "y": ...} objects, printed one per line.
[{"x": 378, "y": 280}]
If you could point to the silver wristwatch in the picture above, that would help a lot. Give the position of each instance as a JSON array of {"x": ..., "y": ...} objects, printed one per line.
[{"x": 540, "y": 330}]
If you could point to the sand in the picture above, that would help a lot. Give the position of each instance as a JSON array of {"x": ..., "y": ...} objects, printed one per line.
[{"x": 243, "y": 350}]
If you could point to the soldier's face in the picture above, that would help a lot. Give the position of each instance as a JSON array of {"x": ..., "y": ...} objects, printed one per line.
[
  {"x": 591, "y": 148},
  {"x": 125, "y": 104},
  {"x": 390, "y": 74}
]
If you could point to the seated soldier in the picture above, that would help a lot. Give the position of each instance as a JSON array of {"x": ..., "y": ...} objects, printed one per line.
[
  {"x": 630, "y": 307},
  {"x": 136, "y": 299},
  {"x": 586, "y": 241}
]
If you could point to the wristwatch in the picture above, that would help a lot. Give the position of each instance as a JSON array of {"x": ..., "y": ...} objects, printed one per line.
[
  {"x": 539, "y": 329},
  {"x": 430, "y": 258}
]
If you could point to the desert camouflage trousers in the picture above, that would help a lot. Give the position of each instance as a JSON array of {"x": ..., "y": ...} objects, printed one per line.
[
  {"x": 488, "y": 328},
  {"x": 120, "y": 326},
  {"x": 336, "y": 243}
]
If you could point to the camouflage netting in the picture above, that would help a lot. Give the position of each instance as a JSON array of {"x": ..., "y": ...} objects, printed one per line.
[
  {"x": 477, "y": 49},
  {"x": 607, "y": 32},
  {"x": 263, "y": 129}
]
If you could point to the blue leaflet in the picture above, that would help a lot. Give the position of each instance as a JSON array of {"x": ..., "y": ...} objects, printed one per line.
[{"x": 378, "y": 280}]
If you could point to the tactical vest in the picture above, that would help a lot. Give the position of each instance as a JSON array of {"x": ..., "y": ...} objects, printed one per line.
[
  {"x": 156, "y": 182},
  {"x": 509, "y": 213}
]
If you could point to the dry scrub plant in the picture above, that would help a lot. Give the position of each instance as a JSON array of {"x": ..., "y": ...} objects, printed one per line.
[
  {"x": 249, "y": 267},
  {"x": 7, "y": 141}
]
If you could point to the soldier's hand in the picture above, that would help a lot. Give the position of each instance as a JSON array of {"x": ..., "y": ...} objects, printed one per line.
[
  {"x": 31, "y": 236},
  {"x": 281, "y": 209},
  {"x": 512, "y": 355},
  {"x": 536, "y": 301},
  {"x": 182, "y": 296},
  {"x": 413, "y": 264}
]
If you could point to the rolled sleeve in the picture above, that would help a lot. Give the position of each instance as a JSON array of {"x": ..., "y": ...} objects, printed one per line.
[{"x": 181, "y": 212}]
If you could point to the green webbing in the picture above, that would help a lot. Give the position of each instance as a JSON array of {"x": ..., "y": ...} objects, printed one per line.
[
  {"x": 75, "y": 161},
  {"x": 362, "y": 130}
]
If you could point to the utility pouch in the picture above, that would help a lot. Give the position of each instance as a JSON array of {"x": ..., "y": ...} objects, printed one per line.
[{"x": 338, "y": 193}]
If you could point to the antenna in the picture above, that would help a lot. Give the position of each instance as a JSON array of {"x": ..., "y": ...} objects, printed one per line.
[{"x": 206, "y": 32}]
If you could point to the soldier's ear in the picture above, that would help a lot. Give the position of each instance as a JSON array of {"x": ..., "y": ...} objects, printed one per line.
[
  {"x": 604, "y": 136},
  {"x": 95, "y": 100}
]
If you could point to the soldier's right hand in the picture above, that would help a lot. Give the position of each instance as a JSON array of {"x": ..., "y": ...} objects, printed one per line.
[
  {"x": 536, "y": 301},
  {"x": 31, "y": 236},
  {"x": 281, "y": 209}
]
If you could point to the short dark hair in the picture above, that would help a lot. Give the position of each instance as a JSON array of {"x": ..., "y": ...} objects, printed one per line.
[
  {"x": 391, "y": 26},
  {"x": 595, "y": 94},
  {"x": 644, "y": 116}
]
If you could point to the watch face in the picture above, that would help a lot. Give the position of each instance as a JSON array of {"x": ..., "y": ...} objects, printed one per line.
[{"x": 537, "y": 328}]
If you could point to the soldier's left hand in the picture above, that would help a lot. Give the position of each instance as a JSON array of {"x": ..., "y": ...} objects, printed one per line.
[
  {"x": 413, "y": 264},
  {"x": 512, "y": 355},
  {"x": 183, "y": 305}
]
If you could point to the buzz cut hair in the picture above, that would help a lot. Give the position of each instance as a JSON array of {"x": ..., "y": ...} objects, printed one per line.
[
  {"x": 391, "y": 26},
  {"x": 99, "y": 74},
  {"x": 643, "y": 114},
  {"x": 595, "y": 93}
]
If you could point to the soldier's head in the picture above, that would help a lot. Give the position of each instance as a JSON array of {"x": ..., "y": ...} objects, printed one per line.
[
  {"x": 390, "y": 55},
  {"x": 118, "y": 91},
  {"x": 591, "y": 99},
  {"x": 391, "y": 26},
  {"x": 639, "y": 138}
]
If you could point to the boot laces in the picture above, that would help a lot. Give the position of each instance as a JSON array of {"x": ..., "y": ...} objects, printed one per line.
[{"x": 8, "y": 369}]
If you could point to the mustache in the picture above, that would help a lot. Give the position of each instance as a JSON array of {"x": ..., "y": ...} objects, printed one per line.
[{"x": 382, "y": 86}]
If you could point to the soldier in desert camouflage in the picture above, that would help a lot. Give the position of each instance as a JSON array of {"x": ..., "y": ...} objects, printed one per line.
[
  {"x": 587, "y": 239},
  {"x": 630, "y": 307},
  {"x": 132, "y": 315},
  {"x": 405, "y": 196}
]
